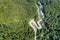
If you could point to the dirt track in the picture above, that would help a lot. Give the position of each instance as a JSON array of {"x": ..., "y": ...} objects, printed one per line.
[{"x": 33, "y": 24}]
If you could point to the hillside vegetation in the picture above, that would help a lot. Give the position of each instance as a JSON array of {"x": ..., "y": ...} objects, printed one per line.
[
  {"x": 14, "y": 18},
  {"x": 15, "y": 15},
  {"x": 51, "y": 31}
]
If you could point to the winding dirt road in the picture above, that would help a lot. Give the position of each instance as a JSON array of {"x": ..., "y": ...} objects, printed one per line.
[{"x": 33, "y": 24}]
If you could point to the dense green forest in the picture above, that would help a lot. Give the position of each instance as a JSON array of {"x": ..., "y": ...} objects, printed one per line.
[
  {"x": 15, "y": 15},
  {"x": 51, "y": 31}
]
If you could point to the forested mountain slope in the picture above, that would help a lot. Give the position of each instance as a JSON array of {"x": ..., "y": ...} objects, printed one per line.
[
  {"x": 14, "y": 17},
  {"x": 52, "y": 20}
]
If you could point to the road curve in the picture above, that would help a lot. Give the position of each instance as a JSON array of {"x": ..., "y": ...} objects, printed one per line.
[{"x": 33, "y": 24}]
